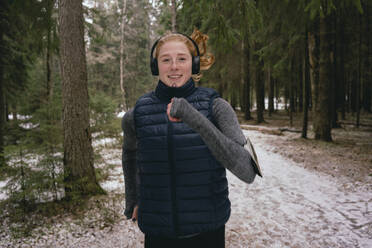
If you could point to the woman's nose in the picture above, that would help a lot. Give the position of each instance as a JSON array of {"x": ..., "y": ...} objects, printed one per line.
[{"x": 174, "y": 64}]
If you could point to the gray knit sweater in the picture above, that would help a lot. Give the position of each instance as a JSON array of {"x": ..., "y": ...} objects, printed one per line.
[{"x": 225, "y": 141}]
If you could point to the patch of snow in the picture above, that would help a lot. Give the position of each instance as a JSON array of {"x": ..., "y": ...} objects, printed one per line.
[
  {"x": 30, "y": 160},
  {"x": 20, "y": 117},
  {"x": 3, "y": 194},
  {"x": 293, "y": 207},
  {"x": 103, "y": 142},
  {"x": 28, "y": 125},
  {"x": 121, "y": 114},
  {"x": 96, "y": 134},
  {"x": 114, "y": 184}
]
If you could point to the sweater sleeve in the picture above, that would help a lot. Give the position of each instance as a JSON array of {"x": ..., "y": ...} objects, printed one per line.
[
  {"x": 129, "y": 163},
  {"x": 226, "y": 141}
]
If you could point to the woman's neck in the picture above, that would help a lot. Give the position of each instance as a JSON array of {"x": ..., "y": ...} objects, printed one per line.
[{"x": 166, "y": 93}]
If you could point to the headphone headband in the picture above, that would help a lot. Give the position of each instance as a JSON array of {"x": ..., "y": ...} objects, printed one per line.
[{"x": 195, "y": 59}]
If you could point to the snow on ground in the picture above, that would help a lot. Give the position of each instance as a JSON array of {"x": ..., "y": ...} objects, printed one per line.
[
  {"x": 289, "y": 207},
  {"x": 293, "y": 207},
  {"x": 3, "y": 194},
  {"x": 20, "y": 117},
  {"x": 121, "y": 114},
  {"x": 103, "y": 142}
]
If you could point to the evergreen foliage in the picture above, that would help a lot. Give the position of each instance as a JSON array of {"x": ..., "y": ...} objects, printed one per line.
[
  {"x": 103, "y": 50},
  {"x": 275, "y": 37}
]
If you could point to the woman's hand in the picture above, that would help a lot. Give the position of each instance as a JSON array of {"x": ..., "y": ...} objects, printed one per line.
[
  {"x": 135, "y": 213},
  {"x": 173, "y": 119}
]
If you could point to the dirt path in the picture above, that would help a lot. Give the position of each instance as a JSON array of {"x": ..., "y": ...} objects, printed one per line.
[{"x": 290, "y": 206}]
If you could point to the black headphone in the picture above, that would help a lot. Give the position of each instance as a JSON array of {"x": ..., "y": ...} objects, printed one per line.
[{"x": 195, "y": 59}]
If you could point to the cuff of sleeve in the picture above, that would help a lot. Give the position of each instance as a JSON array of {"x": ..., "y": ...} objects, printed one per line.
[
  {"x": 128, "y": 212},
  {"x": 178, "y": 107}
]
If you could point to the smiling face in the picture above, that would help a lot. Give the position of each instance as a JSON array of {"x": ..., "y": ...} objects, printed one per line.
[{"x": 174, "y": 62}]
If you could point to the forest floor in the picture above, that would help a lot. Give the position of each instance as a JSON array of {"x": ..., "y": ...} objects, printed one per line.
[
  {"x": 313, "y": 194},
  {"x": 349, "y": 154}
]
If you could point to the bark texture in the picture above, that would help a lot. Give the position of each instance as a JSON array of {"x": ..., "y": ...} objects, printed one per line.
[
  {"x": 322, "y": 116},
  {"x": 78, "y": 152}
]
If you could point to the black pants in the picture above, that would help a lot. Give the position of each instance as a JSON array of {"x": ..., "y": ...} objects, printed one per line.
[{"x": 215, "y": 239}]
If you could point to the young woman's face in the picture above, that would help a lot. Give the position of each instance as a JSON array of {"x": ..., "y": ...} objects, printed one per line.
[{"x": 174, "y": 61}]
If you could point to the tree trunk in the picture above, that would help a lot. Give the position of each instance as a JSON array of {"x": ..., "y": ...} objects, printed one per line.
[
  {"x": 242, "y": 91},
  {"x": 7, "y": 113},
  {"x": 286, "y": 96},
  {"x": 359, "y": 81},
  {"x": 367, "y": 75},
  {"x": 80, "y": 178},
  {"x": 277, "y": 97},
  {"x": 299, "y": 87},
  {"x": 353, "y": 90},
  {"x": 291, "y": 93},
  {"x": 247, "y": 90},
  {"x": 247, "y": 83},
  {"x": 314, "y": 66},
  {"x": 249, "y": 77},
  {"x": 322, "y": 122},
  {"x": 123, "y": 11},
  {"x": 334, "y": 59},
  {"x": 306, "y": 89},
  {"x": 232, "y": 93},
  {"x": 341, "y": 68},
  {"x": 174, "y": 15},
  {"x": 260, "y": 91},
  {"x": 2, "y": 101},
  {"x": 49, "y": 85},
  {"x": 271, "y": 92}
]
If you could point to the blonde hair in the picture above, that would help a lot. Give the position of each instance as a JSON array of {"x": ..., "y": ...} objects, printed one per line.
[{"x": 206, "y": 59}]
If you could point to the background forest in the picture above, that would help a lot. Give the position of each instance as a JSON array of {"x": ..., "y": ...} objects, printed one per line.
[{"x": 306, "y": 60}]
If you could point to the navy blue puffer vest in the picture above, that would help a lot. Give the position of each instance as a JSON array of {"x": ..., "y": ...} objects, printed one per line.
[{"x": 183, "y": 189}]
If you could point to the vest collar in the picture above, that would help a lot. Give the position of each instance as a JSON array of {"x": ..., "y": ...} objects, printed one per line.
[{"x": 166, "y": 93}]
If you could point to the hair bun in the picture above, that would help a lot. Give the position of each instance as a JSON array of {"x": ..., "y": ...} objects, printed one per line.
[{"x": 206, "y": 59}]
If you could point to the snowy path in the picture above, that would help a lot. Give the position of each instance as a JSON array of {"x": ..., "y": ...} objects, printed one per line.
[
  {"x": 289, "y": 207},
  {"x": 294, "y": 207}
]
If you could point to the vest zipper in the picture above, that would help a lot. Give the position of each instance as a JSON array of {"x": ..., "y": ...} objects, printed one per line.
[{"x": 173, "y": 177}]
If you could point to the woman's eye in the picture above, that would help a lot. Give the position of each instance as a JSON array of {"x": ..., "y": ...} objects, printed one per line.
[
  {"x": 165, "y": 60},
  {"x": 182, "y": 59}
]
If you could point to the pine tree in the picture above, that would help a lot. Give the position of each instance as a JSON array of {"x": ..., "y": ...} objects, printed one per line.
[
  {"x": 2, "y": 102},
  {"x": 80, "y": 178}
]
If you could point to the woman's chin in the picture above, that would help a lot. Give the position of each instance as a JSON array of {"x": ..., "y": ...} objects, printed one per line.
[{"x": 175, "y": 84}]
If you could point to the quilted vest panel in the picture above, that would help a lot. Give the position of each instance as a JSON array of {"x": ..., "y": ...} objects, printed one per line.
[{"x": 183, "y": 189}]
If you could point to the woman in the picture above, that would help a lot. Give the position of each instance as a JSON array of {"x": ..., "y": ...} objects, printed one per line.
[{"x": 179, "y": 140}]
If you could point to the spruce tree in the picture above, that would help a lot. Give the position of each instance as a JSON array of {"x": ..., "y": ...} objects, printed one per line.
[{"x": 80, "y": 178}]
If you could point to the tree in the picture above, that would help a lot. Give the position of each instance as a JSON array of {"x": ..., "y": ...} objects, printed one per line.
[
  {"x": 174, "y": 15},
  {"x": 323, "y": 10},
  {"x": 2, "y": 103},
  {"x": 18, "y": 43},
  {"x": 322, "y": 115},
  {"x": 80, "y": 178},
  {"x": 122, "y": 40},
  {"x": 306, "y": 87}
]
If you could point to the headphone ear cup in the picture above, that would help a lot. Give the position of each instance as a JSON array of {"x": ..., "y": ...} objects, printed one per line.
[
  {"x": 195, "y": 65},
  {"x": 154, "y": 67}
]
